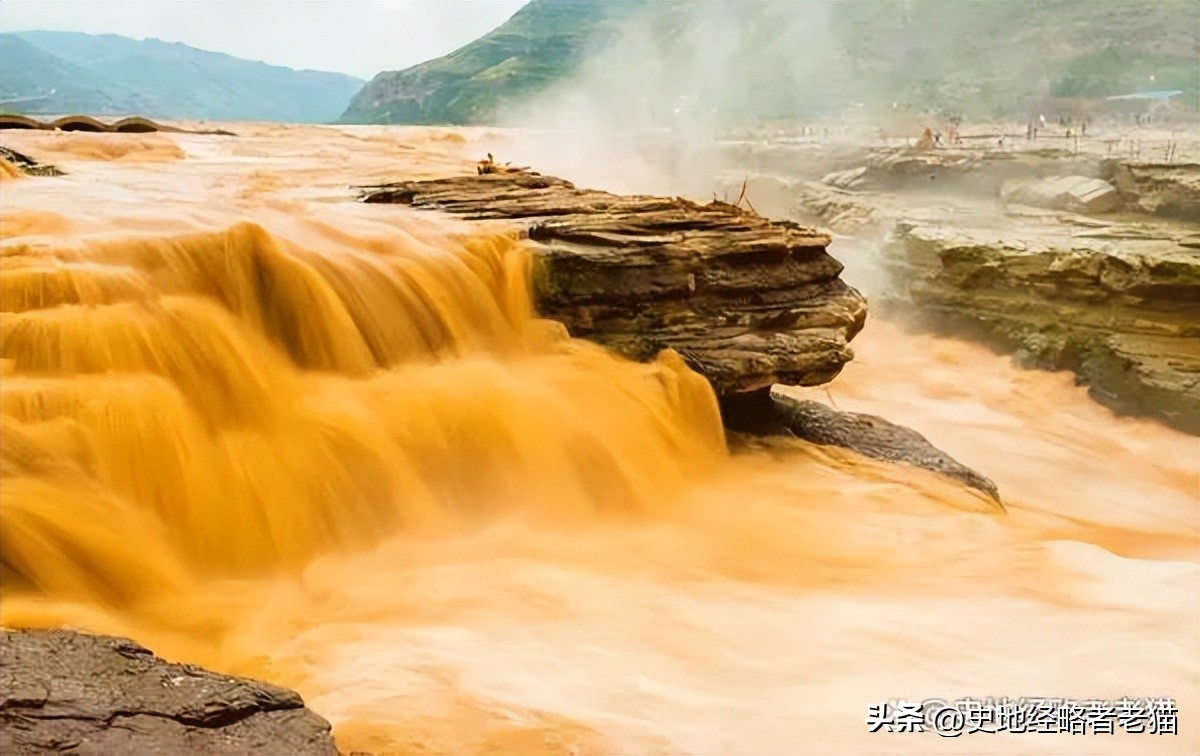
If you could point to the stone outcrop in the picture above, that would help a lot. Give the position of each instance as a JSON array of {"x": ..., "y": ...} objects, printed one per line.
[
  {"x": 1117, "y": 303},
  {"x": 969, "y": 171},
  {"x": 1056, "y": 179},
  {"x": 92, "y": 694},
  {"x": 841, "y": 211},
  {"x": 1170, "y": 190},
  {"x": 745, "y": 301},
  {"x": 1078, "y": 194},
  {"x": 26, "y": 164},
  {"x": 772, "y": 414},
  {"x": 874, "y": 437}
]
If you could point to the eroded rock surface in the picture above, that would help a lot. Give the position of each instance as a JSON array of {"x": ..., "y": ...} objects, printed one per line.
[
  {"x": 26, "y": 164},
  {"x": 1117, "y": 303},
  {"x": 1171, "y": 190},
  {"x": 1107, "y": 284},
  {"x": 746, "y": 302},
  {"x": 980, "y": 172},
  {"x": 1075, "y": 193},
  {"x": 63, "y": 691},
  {"x": 872, "y": 436}
]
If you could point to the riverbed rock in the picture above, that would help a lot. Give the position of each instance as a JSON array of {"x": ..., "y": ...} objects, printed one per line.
[
  {"x": 849, "y": 179},
  {"x": 745, "y": 301},
  {"x": 840, "y": 210},
  {"x": 1117, "y": 303},
  {"x": 1079, "y": 194},
  {"x": 64, "y": 691},
  {"x": 873, "y": 436},
  {"x": 26, "y": 164},
  {"x": 1171, "y": 190},
  {"x": 970, "y": 171}
]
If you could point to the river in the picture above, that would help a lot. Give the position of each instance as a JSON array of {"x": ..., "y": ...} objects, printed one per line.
[{"x": 259, "y": 427}]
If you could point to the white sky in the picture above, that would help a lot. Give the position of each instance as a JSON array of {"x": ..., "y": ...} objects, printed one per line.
[{"x": 358, "y": 37}]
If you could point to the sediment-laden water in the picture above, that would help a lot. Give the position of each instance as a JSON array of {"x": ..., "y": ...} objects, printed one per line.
[{"x": 258, "y": 427}]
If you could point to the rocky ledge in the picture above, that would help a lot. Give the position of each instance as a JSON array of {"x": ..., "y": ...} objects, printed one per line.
[
  {"x": 772, "y": 413},
  {"x": 875, "y": 437},
  {"x": 93, "y": 694},
  {"x": 747, "y": 302},
  {"x": 1118, "y": 303}
]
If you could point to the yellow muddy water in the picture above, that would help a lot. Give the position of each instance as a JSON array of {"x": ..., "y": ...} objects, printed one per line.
[{"x": 259, "y": 427}]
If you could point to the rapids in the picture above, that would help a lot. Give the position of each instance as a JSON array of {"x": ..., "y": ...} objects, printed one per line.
[{"x": 258, "y": 427}]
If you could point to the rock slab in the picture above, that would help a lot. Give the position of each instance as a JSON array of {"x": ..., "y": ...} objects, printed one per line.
[
  {"x": 1079, "y": 194},
  {"x": 874, "y": 437},
  {"x": 92, "y": 694},
  {"x": 745, "y": 301}
]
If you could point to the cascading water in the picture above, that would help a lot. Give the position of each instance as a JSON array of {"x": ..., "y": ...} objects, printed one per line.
[{"x": 331, "y": 445}]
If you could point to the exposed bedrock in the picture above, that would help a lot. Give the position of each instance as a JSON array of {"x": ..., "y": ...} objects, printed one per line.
[
  {"x": 1075, "y": 193},
  {"x": 1055, "y": 179},
  {"x": 1170, "y": 190},
  {"x": 26, "y": 164},
  {"x": 747, "y": 302},
  {"x": 1117, "y": 303},
  {"x": 63, "y": 691},
  {"x": 772, "y": 413},
  {"x": 972, "y": 171}
]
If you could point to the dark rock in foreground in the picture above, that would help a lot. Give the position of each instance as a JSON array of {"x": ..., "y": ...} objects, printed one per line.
[
  {"x": 94, "y": 694},
  {"x": 27, "y": 164},
  {"x": 874, "y": 437},
  {"x": 747, "y": 302}
]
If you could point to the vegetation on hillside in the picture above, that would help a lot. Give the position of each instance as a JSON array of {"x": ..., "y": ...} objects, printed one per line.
[
  {"x": 541, "y": 44},
  {"x": 792, "y": 59}
]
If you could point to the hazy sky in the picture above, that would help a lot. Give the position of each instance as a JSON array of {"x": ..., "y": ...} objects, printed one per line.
[{"x": 359, "y": 37}]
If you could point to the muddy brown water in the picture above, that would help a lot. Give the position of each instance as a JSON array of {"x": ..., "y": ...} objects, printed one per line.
[{"x": 329, "y": 445}]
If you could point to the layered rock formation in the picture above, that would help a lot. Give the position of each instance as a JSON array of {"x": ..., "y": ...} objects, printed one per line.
[
  {"x": 1075, "y": 193},
  {"x": 745, "y": 301},
  {"x": 1113, "y": 295},
  {"x": 1052, "y": 178},
  {"x": 92, "y": 694},
  {"x": 1117, "y": 303},
  {"x": 1171, "y": 190},
  {"x": 972, "y": 171}
]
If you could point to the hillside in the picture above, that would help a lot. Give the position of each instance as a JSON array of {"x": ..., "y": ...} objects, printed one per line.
[
  {"x": 61, "y": 72},
  {"x": 789, "y": 59},
  {"x": 541, "y": 44}
]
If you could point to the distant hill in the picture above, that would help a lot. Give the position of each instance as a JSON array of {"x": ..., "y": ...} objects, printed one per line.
[
  {"x": 106, "y": 74},
  {"x": 787, "y": 59},
  {"x": 541, "y": 44}
]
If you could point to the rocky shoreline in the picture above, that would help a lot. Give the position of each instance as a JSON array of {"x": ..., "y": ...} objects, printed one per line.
[
  {"x": 1121, "y": 311},
  {"x": 1068, "y": 261},
  {"x": 65, "y": 691}
]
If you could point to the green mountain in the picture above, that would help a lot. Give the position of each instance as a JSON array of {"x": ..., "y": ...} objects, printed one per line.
[
  {"x": 775, "y": 59},
  {"x": 540, "y": 45},
  {"x": 68, "y": 72}
]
